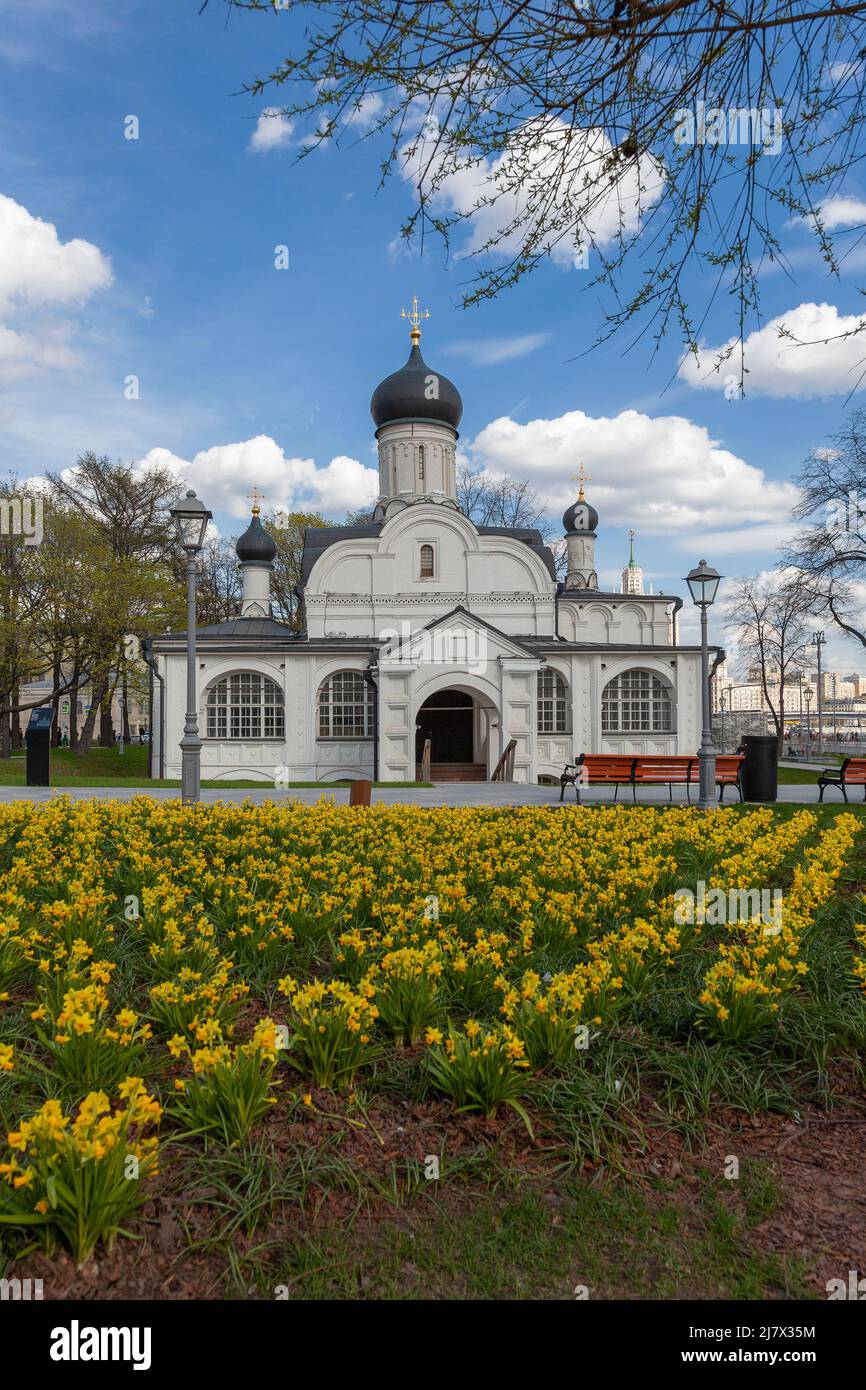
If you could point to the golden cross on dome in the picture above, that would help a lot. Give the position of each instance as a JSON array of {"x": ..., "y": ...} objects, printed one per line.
[
  {"x": 415, "y": 315},
  {"x": 581, "y": 477},
  {"x": 255, "y": 497}
]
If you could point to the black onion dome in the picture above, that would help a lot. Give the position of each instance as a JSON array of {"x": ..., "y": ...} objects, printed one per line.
[
  {"x": 580, "y": 516},
  {"x": 407, "y": 395},
  {"x": 255, "y": 544}
]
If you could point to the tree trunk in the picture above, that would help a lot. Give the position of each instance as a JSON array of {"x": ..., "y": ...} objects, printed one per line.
[
  {"x": 55, "y": 704},
  {"x": 5, "y": 735},
  {"x": 124, "y": 709},
  {"x": 106, "y": 726},
  {"x": 15, "y": 736},
  {"x": 73, "y": 706},
  {"x": 98, "y": 689}
]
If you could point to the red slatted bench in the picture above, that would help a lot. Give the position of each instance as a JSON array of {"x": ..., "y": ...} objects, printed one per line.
[
  {"x": 852, "y": 773},
  {"x": 675, "y": 770},
  {"x": 606, "y": 769},
  {"x": 634, "y": 770}
]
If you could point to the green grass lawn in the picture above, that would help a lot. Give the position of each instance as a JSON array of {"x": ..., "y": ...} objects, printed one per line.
[{"x": 108, "y": 767}]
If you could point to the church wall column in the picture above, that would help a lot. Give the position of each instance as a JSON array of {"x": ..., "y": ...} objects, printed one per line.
[
  {"x": 519, "y": 695},
  {"x": 686, "y": 680},
  {"x": 299, "y": 717},
  {"x": 396, "y": 722}
]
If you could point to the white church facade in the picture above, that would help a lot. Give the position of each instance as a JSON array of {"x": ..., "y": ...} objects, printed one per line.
[{"x": 423, "y": 626}]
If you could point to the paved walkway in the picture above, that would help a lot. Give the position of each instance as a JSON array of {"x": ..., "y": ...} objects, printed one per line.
[{"x": 442, "y": 794}]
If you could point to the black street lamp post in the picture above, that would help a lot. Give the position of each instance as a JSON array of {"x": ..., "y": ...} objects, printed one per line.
[
  {"x": 191, "y": 518},
  {"x": 703, "y": 581}
]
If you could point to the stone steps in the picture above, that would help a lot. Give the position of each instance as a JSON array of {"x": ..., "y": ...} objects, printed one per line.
[{"x": 457, "y": 772}]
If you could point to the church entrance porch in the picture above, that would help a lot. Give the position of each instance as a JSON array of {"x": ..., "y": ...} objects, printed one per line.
[{"x": 456, "y": 727}]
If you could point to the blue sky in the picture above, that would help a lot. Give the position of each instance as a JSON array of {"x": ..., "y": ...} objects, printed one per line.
[{"x": 154, "y": 258}]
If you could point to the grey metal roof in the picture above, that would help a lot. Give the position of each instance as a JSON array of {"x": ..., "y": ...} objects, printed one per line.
[
  {"x": 551, "y": 644},
  {"x": 267, "y": 629}
]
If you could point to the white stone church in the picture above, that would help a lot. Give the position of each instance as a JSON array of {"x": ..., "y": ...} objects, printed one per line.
[{"x": 423, "y": 626}]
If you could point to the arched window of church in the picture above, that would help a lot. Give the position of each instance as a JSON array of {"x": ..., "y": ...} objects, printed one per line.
[
  {"x": 551, "y": 703},
  {"x": 420, "y": 463},
  {"x": 637, "y": 702},
  {"x": 427, "y": 562},
  {"x": 245, "y": 705},
  {"x": 345, "y": 706}
]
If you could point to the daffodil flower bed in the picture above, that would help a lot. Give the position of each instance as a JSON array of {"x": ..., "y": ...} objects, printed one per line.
[
  {"x": 80, "y": 1179},
  {"x": 231, "y": 953},
  {"x": 231, "y": 1087}
]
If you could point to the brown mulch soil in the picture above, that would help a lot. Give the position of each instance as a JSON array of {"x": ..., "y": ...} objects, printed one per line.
[{"x": 817, "y": 1164}]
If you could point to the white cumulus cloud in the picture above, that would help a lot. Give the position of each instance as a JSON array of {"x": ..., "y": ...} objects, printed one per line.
[
  {"x": 804, "y": 352},
  {"x": 39, "y": 276},
  {"x": 224, "y": 474},
  {"x": 841, "y": 212},
  {"x": 273, "y": 130},
  {"x": 38, "y": 269},
  {"x": 21, "y": 353},
  {"x": 663, "y": 475}
]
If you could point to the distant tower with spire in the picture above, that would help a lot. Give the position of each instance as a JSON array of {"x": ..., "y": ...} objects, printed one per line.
[{"x": 632, "y": 575}]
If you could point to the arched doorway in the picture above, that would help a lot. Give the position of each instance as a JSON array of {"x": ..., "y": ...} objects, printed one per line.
[{"x": 448, "y": 720}]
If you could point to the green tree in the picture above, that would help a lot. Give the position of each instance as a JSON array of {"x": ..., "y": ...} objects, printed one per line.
[
  {"x": 128, "y": 511},
  {"x": 287, "y": 529}
]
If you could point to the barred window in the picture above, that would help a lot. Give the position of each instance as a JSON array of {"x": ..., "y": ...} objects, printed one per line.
[
  {"x": 245, "y": 705},
  {"x": 637, "y": 702},
  {"x": 426, "y": 562},
  {"x": 420, "y": 463},
  {"x": 551, "y": 703},
  {"x": 345, "y": 706}
]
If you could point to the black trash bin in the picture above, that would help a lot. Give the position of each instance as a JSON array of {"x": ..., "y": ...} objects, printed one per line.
[
  {"x": 38, "y": 738},
  {"x": 759, "y": 777}
]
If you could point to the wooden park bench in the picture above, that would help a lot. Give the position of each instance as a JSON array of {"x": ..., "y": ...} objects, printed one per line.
[
  {"x": 852, "y": 773},
  {"x": 654, "y": 769},
  {"x": 605, "y": 769}
]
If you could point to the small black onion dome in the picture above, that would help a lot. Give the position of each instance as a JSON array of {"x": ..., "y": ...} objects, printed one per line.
[
  {"x": 586, "y": 520},
  {"x": 255, "y": 544},
  {"x": 404, "y": 395}
]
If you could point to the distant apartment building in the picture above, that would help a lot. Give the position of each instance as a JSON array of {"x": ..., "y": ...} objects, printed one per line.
[{"x": 843, "y": 700}]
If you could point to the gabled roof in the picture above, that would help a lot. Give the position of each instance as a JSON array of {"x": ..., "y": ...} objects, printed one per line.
[
  {"x": 518, "y": 643},
  {"x": 317, "y": 539}
]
